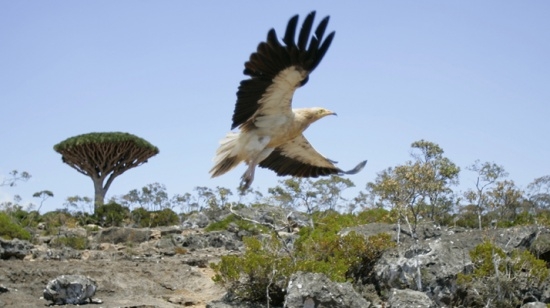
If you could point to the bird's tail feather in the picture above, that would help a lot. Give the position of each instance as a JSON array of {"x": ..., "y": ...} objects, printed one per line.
[{"x": 226, "y": 155}]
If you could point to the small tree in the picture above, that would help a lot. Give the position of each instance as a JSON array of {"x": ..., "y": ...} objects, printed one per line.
[
  {"x": 15, "y": 176},
  {"x": 507, "y": 199},
  {"x": 104, "y": 156},
  {"x": 439, "y": 173},
  {"x": 487, "y": 175},
  {"x": 43, "y": 195},
  {"x": 295, "y": 193},
  {"x": 538, "y": 193},
  {"x": 152, "y": 197},
  {"x": 330, "y": 191}
]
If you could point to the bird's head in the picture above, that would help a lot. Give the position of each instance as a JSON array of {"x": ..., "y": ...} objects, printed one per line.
[
  {"x": 310, "y": 115},
  {"x": 319, "y": 112}
]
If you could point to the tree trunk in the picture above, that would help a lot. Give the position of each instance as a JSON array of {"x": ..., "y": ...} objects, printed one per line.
[
  {"x": 479, "y": 218},
  {"x": 99, "y": 195}
]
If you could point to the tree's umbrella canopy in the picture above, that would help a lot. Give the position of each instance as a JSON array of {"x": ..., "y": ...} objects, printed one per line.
[{"x": 104, "y": 156}]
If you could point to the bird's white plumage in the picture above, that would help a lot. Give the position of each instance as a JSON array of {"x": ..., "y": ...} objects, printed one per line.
[
  {"x": 275, "y": 105},
  {"x": 270, "y": 131}
]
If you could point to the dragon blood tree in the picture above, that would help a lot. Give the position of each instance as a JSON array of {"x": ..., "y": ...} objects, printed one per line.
[{"x": 104, "y": 156}]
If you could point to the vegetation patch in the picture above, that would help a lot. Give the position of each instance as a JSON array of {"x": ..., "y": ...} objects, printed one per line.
[
  {"x": 240, "y": 223},
  {"x": 266, "y": 266},
  {"x": 10, "y": 230},
  {"x": 498, "y": 276},
  {"x": 74, "y": 242}
]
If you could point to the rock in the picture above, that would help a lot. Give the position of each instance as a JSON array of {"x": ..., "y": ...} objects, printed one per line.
[
  {"x": 534, "y": 305},
  {"x": 277, "y": 217},
  {"x": 73, "y": 232},
  {"x": 181, "y": 300},
  {"x": 155, "y": 235},
  {"x": 222, "y": 304},
  {"x": 439, "y": 259},
  {"x": 214, "y": 239},
  {"x": 43, "y": 239},
  {"x": 316, "y": 290},
  {"x": 165, "y": 245},
  {"x": 165, "y": 231},
  {"x": 70, "y": 289},
  {"x": 3, "y": 289},
  {"x": 43, "y": 252},
  {"x": 370, "y": 229},
  {"x": 14, "y": 249},
  {"x": 116, "y": 235},
  {"x": 409, "y": 298},
  {"x": 196, "y": 221},
  {"x": 540, "y": 245}
]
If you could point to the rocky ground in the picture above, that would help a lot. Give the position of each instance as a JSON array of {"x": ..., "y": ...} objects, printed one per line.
[
  {"x": 123, "y": 280},
  {"x": 168, "y": 267}
]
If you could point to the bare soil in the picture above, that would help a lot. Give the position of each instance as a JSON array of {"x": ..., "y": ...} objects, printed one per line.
[{"x": 123, "y": 281}]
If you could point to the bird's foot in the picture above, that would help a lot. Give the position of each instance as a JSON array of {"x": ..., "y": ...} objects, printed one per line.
[{"x": 246, "y": 180}]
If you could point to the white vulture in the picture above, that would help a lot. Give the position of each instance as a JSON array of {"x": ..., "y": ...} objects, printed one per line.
[{"x": 270, "y": 131}]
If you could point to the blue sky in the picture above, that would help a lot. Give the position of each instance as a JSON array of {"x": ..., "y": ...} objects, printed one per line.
[{"x": 471, "y": 76}]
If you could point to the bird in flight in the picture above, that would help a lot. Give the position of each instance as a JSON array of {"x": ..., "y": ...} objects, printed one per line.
[{"x": 271, "y": 132}]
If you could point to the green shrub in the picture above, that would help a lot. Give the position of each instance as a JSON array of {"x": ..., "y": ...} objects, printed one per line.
[
  {"x": 341, "y": 258},
  {"x": 520, "y": 270},
  {"x": 10, "y": 230},
  {"x": 377, "y": 215},
  {"x": 148, "y": 219},
  {"x": 141, "y": 217},
  {"x": 482, "y": 257},
  {"x": 24, "y": 218},
  {"x": 111, "y": 214},
  {"x": 267, "y": 264},
  {"x": 239, "y": 222},
  {"x": 75, "y": 242},
  {"x": 543, "y": 217},
  {"x": 263, "y": 266},
  {"x": 56, "y": 219},
  {"x": 165, "y": 217}
]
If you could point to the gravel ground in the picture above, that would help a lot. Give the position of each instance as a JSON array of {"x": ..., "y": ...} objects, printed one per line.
[{"x": 173, "y": 281}]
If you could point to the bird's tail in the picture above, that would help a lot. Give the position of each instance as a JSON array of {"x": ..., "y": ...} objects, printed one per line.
[{"x": 226, "y": 155}]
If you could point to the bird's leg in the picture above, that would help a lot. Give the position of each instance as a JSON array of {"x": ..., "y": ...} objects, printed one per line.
[{"x": 247, "y": 177}]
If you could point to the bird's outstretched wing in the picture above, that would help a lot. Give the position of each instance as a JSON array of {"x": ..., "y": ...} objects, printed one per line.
[
  {"x": 298, "y": 158},
  {"x": 276, "y": 70}
]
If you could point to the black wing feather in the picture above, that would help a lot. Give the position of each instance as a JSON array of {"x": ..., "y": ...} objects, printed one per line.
[
  {"x": 305, "y": 31},
  {"x": 320, "y": 31},
  {"x": 272, "y": 57},
  {"x": 322, "y": 50},
  {"x": 284, "y": 165},
  {"x": 288, "y": 39}
]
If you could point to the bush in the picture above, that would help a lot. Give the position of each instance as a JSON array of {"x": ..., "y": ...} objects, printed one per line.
[
  {"x": 482, "y": 257},
  {"x": 111, "y": 214},
  {"x": 239, "y": 222},
  {"x": 147, "y": 219},
  {"x": 499, "y": 278},
  {"x": 165, "y": 217},
  {"x": 347, "y": 258},
  {"x": 377, "y": 215},
  {"x": 10, "y": 230},
  {"x": 262, "y": 267},
  {"x": 141, "y": 217},
  {"x": 24, "y": 218},
  {"x": 267, "y": 264},
  {"x": 56, "y": 219},
  {"x": 75, "y": 242}
]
